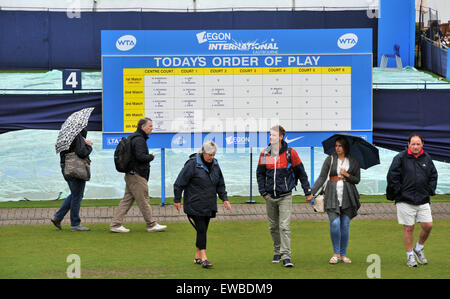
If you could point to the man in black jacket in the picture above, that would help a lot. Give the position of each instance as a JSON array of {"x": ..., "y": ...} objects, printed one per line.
[
  {"x": 412, "y": 178},
  {"x": 137, "y": 181}
]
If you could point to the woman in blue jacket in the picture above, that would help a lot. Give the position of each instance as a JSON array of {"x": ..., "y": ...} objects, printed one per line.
[{"x": 201, "y": 180}]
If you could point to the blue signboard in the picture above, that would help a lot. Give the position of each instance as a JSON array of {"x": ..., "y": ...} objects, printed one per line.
[{"x": 231, "y": 86}]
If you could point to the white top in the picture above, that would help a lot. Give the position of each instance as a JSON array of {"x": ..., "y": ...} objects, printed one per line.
[{"x": 340, "y": 184}]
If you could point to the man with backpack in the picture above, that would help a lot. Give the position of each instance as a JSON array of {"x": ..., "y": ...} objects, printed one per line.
[
  {"x": 411, "y": 180},
  {"x": 134, "y": 151},
  {"x": 278, "y": 170}
]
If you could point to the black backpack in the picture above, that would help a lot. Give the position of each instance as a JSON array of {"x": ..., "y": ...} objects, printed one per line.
[{"x": 123, "y": 155}]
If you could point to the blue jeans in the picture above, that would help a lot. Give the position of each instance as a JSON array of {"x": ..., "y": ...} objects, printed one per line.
[
  {"x": 340, "y": 233},
  {"x": 72, "y": 202}
]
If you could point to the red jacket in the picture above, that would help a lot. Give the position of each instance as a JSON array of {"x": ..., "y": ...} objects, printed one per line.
[{"x": 278, "y": 175}]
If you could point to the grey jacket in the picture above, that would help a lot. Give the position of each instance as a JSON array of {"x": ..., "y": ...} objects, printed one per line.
[{"x": 350, "y": 198}]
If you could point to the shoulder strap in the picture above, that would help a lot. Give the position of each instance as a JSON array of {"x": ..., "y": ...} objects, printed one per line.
[
  {"x": 266, "y": 151},
  {"x": 288, "y": 158},
  {"x": 328, "y": 176}
]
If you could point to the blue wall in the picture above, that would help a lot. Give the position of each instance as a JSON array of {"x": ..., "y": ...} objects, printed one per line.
[
  {"x": 396, "y": 25},
  {"x": 51, "y": 40}
]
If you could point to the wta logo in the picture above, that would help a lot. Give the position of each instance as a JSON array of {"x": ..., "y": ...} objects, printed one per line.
[
  {"x": 126, "y": 42},
  {"x": 347, "y": 41}
]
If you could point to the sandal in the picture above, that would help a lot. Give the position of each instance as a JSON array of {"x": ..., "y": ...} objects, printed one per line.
[
  {"x": 334, "y": 260},
  {"x": 197, "y": 261},
  {"x": 346, "y": 260}
]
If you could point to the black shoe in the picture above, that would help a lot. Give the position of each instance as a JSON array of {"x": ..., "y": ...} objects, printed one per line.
[
  {"x": 287, "y": 263},
  {"x": 206, "y": 264},
  {"x": 276, "y": 258},
  {"x": 56, "y": 222}
]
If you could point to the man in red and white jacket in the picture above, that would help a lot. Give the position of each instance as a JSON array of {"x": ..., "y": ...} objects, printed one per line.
[{"x": 279, "y": 168}]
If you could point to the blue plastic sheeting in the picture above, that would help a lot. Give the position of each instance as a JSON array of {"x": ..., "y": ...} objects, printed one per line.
[
  {"x": 398, "y": 113},
  {"x": 46, "y": 111},
  {"x": 434, "y": 58},
  {"x": 406, "y": 78},
  {"x": 425, "y": 112},
  {"x": 30, "y": 169},
  {"x": 51, "y": 40},
  {"x": 51, "y": 81},
  {"x": 44, "y": 82}
]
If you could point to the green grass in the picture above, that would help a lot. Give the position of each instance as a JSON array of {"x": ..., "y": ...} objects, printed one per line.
[
  {"x": 237, "y": 249},
  {"x": 157, "y": 201}
]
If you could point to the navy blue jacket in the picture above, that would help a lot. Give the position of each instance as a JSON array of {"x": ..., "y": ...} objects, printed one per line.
[
  {"x": 413, "y": 180},
  {"x": 201, "y": 187}
]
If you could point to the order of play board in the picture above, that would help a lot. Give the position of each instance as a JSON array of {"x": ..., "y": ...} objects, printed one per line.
[
  {"x": 312, "y": 82},
  {"x": 185, "y": 99}
]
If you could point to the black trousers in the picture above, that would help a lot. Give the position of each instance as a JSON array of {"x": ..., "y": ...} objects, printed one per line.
[{"x": 200, "y": 223}]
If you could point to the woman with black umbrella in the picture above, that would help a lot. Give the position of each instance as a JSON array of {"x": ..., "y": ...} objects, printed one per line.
[{"x": 341, "y": 196}]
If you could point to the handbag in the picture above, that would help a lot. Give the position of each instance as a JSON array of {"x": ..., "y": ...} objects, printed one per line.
[
  {"x": 319, "y": 200},
  {"x": 76, "y": 167}
]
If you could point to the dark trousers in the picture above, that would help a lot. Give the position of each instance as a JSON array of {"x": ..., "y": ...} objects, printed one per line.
[{"x": 200, "y": 223}]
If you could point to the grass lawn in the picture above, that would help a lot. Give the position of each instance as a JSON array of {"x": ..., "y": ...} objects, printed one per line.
[
  {"x": 237, "y": 250},
  {"x": 157, "y": 201}
]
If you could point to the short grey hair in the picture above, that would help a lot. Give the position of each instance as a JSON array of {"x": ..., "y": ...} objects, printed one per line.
[
  {"x": 143, "y": 121},
  {"x": 208, "y": 147}
]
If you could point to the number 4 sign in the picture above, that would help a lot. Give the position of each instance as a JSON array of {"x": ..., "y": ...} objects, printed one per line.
[{"x": 71, "y": 79}]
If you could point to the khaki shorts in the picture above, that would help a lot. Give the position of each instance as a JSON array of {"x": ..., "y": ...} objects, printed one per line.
[{"x": 408, "y": 214}]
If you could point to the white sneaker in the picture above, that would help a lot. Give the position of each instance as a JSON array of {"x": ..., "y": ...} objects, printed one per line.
[
  {"x": 420, "y": 256},
  {"x": 120, "y": 229},
  {"x": 411, "y": 261},
  {"x": 156, "y": 228}
]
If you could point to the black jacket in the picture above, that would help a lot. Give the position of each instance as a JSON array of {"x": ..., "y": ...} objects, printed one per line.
[
  {"x": 78, "y": 146},
  {"x": 200, "y": 186},
  {"x": 280, "y": 180},
  {"x": 413, "y": 180},
  {"x": 140, "y": 163}
]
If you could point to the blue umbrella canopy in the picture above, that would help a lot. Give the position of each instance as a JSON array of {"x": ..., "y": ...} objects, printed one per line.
[{"x": 363, "y": 151}]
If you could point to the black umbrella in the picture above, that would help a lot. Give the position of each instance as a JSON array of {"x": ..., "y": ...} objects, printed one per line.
[{"x": 364, "y": 152}]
